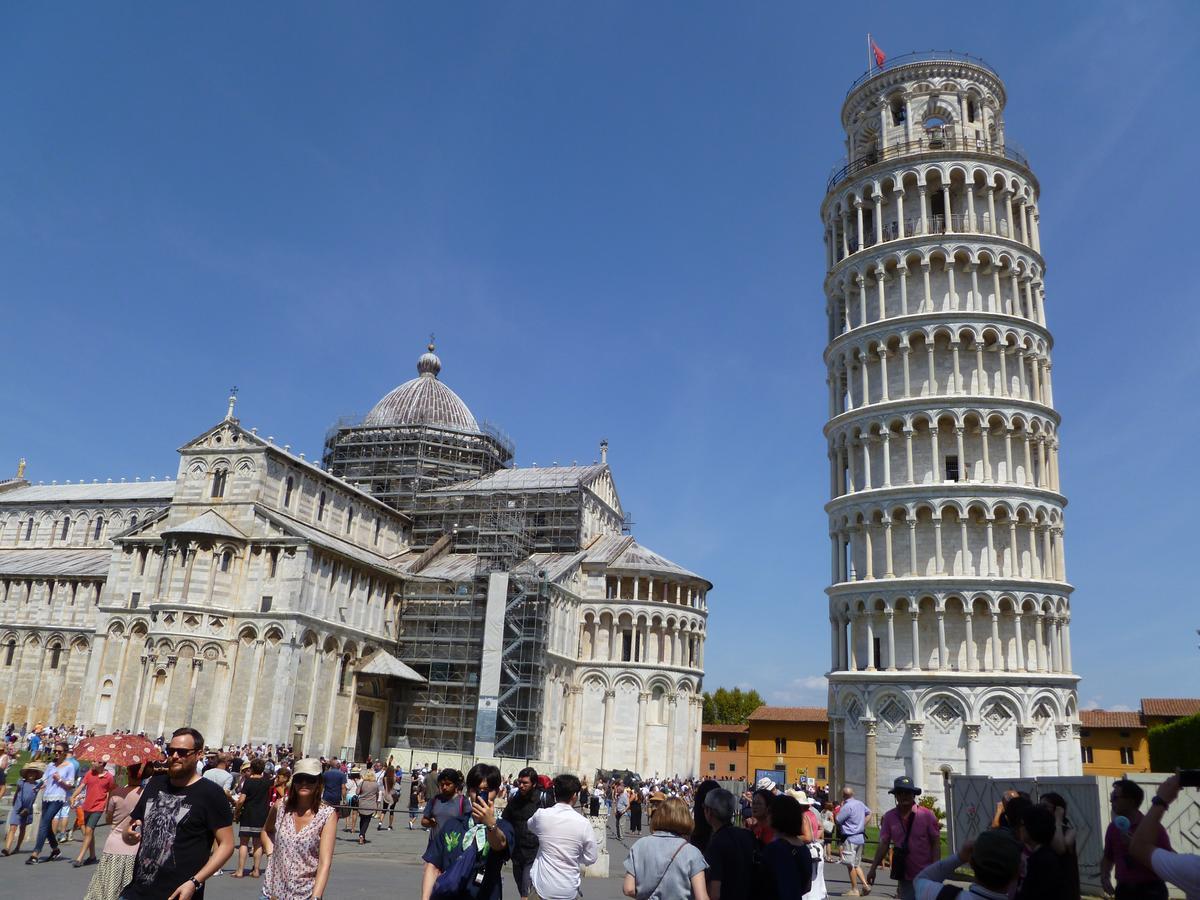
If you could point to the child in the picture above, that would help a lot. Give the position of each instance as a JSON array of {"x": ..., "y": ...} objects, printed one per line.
[{"x": 22, "y": 811}]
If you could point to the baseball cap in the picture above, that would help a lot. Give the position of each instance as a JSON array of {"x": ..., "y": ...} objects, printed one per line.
[{"x": 309, "y": 766}]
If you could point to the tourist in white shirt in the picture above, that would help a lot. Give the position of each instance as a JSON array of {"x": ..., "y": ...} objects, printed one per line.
[
  {"x": 565, "y": 843},
  {"x": 1181, "y": 869},
  {"x": 58, "y": 781}
]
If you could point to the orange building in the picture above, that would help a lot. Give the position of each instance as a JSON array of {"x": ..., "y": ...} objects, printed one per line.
[
  {"x": 723, "y": 751},
  {"x": 791, "y": 741},
  {"x": 1113, "y": 743}
]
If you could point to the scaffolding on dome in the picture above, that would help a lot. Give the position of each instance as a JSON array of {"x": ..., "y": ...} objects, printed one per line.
[{"x": 397, "y": 462}]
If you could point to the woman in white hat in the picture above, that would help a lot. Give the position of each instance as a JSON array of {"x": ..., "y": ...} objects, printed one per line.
[{"x": 299, "y": 837}]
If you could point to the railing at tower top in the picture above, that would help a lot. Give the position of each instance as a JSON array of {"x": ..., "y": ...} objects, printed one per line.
[
  {"x": 937, "y": 141},
  {"x": 904, "y": 59}
]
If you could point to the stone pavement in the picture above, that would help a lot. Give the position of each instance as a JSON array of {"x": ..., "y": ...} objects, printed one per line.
[{"x": 389, "y": 866}]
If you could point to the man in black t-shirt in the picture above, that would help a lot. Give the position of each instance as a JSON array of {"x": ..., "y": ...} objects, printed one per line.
[
  {"x": 730, "y": 851},
  {"x": 183, "y": 827}
]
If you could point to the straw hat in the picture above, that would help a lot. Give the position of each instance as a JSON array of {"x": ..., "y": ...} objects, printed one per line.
[{"x": 35, "y": 768}]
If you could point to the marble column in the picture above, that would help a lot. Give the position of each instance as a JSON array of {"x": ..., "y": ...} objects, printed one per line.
[
  {"x": 606, "y": 744},
  {"x": 672, "y": 710},
  {"x": 916, "y": 736},
  {"x": 972, "y": 748},
  {"x": 639, "y": 750},
  {"x": 872, "y": 763},
  {"x": 1026, "y": 734}
]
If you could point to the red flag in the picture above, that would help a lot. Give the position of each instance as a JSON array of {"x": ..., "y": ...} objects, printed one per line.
[{"x": 880, "y": 56}]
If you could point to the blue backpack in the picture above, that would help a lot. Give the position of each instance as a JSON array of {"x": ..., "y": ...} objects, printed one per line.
[{"x": 456, "y": 880}]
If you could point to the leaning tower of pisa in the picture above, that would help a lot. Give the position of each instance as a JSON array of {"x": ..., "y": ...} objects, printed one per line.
[{"x": 949, "y": 603}]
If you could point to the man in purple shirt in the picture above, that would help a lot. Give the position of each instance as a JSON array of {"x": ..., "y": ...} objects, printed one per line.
[
  {"x": 853, "y": 816},
  {"x": 1134, "y": 880},
  {"x": 916, "y": 834}
]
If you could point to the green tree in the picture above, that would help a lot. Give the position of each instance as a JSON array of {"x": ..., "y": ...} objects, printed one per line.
[{"x": 730, "y": 707}]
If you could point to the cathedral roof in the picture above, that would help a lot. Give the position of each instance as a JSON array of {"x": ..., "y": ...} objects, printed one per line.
[
  {"x": 71, "y": 493},
  {"x": 208, "y": 522},
  {"x": 635, "y": 557},
  {"x": 383, "y": 663},
  {"x": 550, "y": 478},
  {"x": 423, "y": 401},
  {"x": 57, "y": 563}
]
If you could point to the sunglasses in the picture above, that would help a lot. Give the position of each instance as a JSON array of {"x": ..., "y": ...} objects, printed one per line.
[
  {"x": 180, "y": 751},
  {"x": 304, "y": 780}
]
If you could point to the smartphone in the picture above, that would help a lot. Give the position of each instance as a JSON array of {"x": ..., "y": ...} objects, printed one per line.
[
  {"x": 483, "y": 795},
  {"x": 1189, "y": 778}
]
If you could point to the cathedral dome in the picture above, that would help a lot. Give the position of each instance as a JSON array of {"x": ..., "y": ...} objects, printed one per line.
[{"x": 423, "y": 401}]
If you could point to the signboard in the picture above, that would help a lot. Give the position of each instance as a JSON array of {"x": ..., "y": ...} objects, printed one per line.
[{"x": 779, "y": 776}]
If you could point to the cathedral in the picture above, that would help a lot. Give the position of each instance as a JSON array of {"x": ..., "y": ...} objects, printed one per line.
[{"x": 412, "y": 593}]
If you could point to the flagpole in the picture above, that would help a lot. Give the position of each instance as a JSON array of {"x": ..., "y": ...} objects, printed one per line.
[{"x": 869, "y": 66}]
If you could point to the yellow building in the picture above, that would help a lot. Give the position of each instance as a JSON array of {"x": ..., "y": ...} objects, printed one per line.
[
  {"x": 1113, "y": 743},
  {"x": 788, "y": 743}
]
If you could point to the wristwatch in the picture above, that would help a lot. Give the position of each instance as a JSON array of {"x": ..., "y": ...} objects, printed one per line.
[{"x": 1159, "y": 801}]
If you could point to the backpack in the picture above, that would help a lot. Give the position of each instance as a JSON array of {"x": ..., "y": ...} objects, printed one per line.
[{"x": 456, "y": 879}]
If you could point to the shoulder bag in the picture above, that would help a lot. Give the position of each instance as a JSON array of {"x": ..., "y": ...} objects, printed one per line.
[{"x": 900, "y": 854}]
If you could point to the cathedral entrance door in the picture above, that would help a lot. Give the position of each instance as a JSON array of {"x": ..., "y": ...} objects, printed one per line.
[{"x": 366, "y": 725}]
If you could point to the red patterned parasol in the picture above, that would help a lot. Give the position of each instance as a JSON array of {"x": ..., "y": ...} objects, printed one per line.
[{"x": 118, "y": 749}]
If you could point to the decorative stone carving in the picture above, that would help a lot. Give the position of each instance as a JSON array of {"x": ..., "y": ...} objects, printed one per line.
[
  {"x": 892, "y": 714},
  {"x": 998, "y": 717},
  {"x": 946, "y": 716}
]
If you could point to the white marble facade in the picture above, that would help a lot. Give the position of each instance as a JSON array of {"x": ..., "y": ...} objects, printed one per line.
[
  {"x": 949, "y": 605},
  {"x": 627, "y": 666},
  {"x": 252, "y": 596}
]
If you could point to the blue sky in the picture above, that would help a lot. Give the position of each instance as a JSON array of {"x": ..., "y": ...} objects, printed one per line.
[{"x": 608, "y": 215}]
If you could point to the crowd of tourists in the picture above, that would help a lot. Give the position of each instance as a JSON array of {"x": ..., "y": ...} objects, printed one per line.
[{"x": 173, "y": 830}]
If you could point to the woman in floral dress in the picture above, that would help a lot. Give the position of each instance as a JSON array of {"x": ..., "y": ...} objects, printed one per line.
[
  {"x": 115, "y": 869},
  {"x": 299, "y": 837}
]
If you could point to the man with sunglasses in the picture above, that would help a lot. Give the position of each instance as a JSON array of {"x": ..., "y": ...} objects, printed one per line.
[
  {"x": 183, "y": 827},
  {"x": 58, "y": 782}
]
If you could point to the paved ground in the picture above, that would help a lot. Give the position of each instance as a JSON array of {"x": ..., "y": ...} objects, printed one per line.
[{"x": 389, "y": 866}]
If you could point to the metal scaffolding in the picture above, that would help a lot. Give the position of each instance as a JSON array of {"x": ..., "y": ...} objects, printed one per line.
[
  {"x": 396, "y": 463},
  {"x": 523, "y": 666}
]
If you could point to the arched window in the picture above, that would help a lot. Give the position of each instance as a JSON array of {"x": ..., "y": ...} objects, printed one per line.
[
  {"x": 220, "y": 476},
  {"x": 133, "y": 520},
  {"x": 29, "y": 529},
  {"x": 378, "y": 525},
  {"x": 345, "y": 670},
  {"x": 970, "y": 110},
  {"x": 66, "y": 527},
  {"x": 226, "y": 560},
  {"x": 349, "y": 519},
  {"x": 321, "y": 506},
  {"x": 10, "y": 650},
  {"x": 288, "y": 487},
  {"x": 55, "y": 656},
  {"x": 99, "y": 528}
]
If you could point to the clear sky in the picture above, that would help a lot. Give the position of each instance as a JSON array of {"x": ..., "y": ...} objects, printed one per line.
[{"x": 608, "y": 213}]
